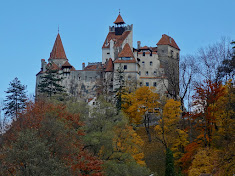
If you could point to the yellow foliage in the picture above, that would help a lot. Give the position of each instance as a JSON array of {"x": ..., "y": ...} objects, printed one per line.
[
  {"x": 205, "y": 161},
  {"x": 126, "y": 140},
  {"x": 136, "y": 104}
]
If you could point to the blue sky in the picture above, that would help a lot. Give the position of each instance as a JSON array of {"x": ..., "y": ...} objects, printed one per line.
[{"x": 28, "y": 29}]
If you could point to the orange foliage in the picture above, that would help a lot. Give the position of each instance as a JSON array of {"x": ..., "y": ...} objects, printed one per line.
[{"x": 80, "y": 161}]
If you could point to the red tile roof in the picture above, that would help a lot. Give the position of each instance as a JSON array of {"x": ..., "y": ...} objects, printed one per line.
[
  {"x": 66, "y": 64},
  {"x": 109, "y": 66},
  {"x": 167, "y": 40},
  {"x": 73, "y": 69},
  {"x": 119, "y": 20},
  {"x": 144, "y": 48},
  {"x": 126, "y": 51},
  {"x": 117, "y": 38},
  {"x": 58, "y": 49},
  {"x": 52, "y": 66}
]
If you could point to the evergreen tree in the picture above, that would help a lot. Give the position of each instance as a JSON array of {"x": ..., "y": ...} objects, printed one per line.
[
  {"x": 50, "y": 82},
  {"x": 16, "y": 99},
  {"x": 120, "y": 90},
  {"x": 170, "y": 171}
]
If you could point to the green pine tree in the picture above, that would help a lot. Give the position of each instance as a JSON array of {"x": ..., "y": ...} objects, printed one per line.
[
  {"x": 170, "y": 170},
  {"x": 50, "y": 84},
  {"x": 120, "y": 90},
  {"x": 15, "y": 100}
]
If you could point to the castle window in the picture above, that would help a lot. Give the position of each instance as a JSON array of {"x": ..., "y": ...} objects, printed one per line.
[
  {"x": 177, "y": 55},
  {"x": 108, "y": 53},
  {"x": 172, "y": 53},
  {"x": 150, "y": 63},
  {"x": 143, "y": 53},
  {"x": 146, "y": 73},
  {"x": 151, "y": 54},
  {"x": 147, "y": 83},
  {"x": 139, "y": 72},
  {"x": 154, "y": 84},
  {"x": 141, "y": 83},
  {"x": 162, "y": 51},
  {"x": 155, "y": 73},
  {"x": 79, "y": 78},
  {"x": 143, "y": 63},
  {"x": 125, "y": 67}
]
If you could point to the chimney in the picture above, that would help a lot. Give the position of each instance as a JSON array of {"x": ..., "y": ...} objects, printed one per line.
[
  {"x": 83, "y": 65},
  {"x": 138, "y": 44},
  {"x": 43, "y": 65}
]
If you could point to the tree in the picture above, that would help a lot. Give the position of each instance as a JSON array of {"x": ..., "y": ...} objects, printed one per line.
[
  {"x": 227, "y": 67},
  {"x": 169, "y": 133},
  {"x": 110, "y": 137},
  {"x": 170, "y": 168},
  {"x": 139, "y": 104},
  {"x": 120, "y": 80},
  {"x": 50, "y": 84},
  {"x": 15, "y": 100},
  {"x": 56, "y": 131}
]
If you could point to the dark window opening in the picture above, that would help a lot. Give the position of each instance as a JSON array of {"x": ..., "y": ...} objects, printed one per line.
[
  {"x": 143, "y": 53},
  {"x": 147, "y": 73},
  {"x": 154, "y": 84},
  {"x": 125, "y": 67},
  {"x": 150, "y": 63},
  {"x": 147, "y": 83}
]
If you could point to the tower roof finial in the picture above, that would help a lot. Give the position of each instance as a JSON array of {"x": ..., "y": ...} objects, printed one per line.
[
  {"x": 58, "y": 28},
  {"x": 119, "y": 11}
]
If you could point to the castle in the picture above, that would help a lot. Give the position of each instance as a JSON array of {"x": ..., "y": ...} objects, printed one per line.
[{"x": 141, "y": 66}]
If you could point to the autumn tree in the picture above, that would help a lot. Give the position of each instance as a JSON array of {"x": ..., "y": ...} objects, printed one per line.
[
  {"x": 15, "y": 100},
  {"x": 109, "y": 136},
  {"x": 169, "y": 133},
  {"x": 52, "y": 128},
  {"x": 139, "y": 104}
]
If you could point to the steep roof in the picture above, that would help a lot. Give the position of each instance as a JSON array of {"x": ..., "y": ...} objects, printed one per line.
[
  {"x": 53, "y": 66},
  {"x": 167, "y": 40},
  {"x": 119, "y": 20},
  {"x": 118, "y": 39},
  {"x": 126, "y": 51},
  {"x": 58, "y": 49},
  {"x": 109, "y": 66},
  {"x": 66, "y": 64}
]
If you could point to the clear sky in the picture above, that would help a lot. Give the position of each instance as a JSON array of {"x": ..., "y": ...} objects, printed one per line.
[{"x": 28, "y": 29}]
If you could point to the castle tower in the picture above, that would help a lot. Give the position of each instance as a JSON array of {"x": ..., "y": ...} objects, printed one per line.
[
  {"x": 118, "y": 36},
  {"x": 57, "y": 54},
  {"x": 168, "y": 53}
]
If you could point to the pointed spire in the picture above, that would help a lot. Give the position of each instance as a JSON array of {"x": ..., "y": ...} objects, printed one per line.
[
  {"x": 126, "y": 51},
  {"x": 119, "y": 19},
  {"x": 58, "y": 49}
]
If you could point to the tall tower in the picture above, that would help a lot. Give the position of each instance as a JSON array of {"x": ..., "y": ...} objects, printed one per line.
[
  {"x": 57, "y": 54},
  {"x": 118, "y": 36}
]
